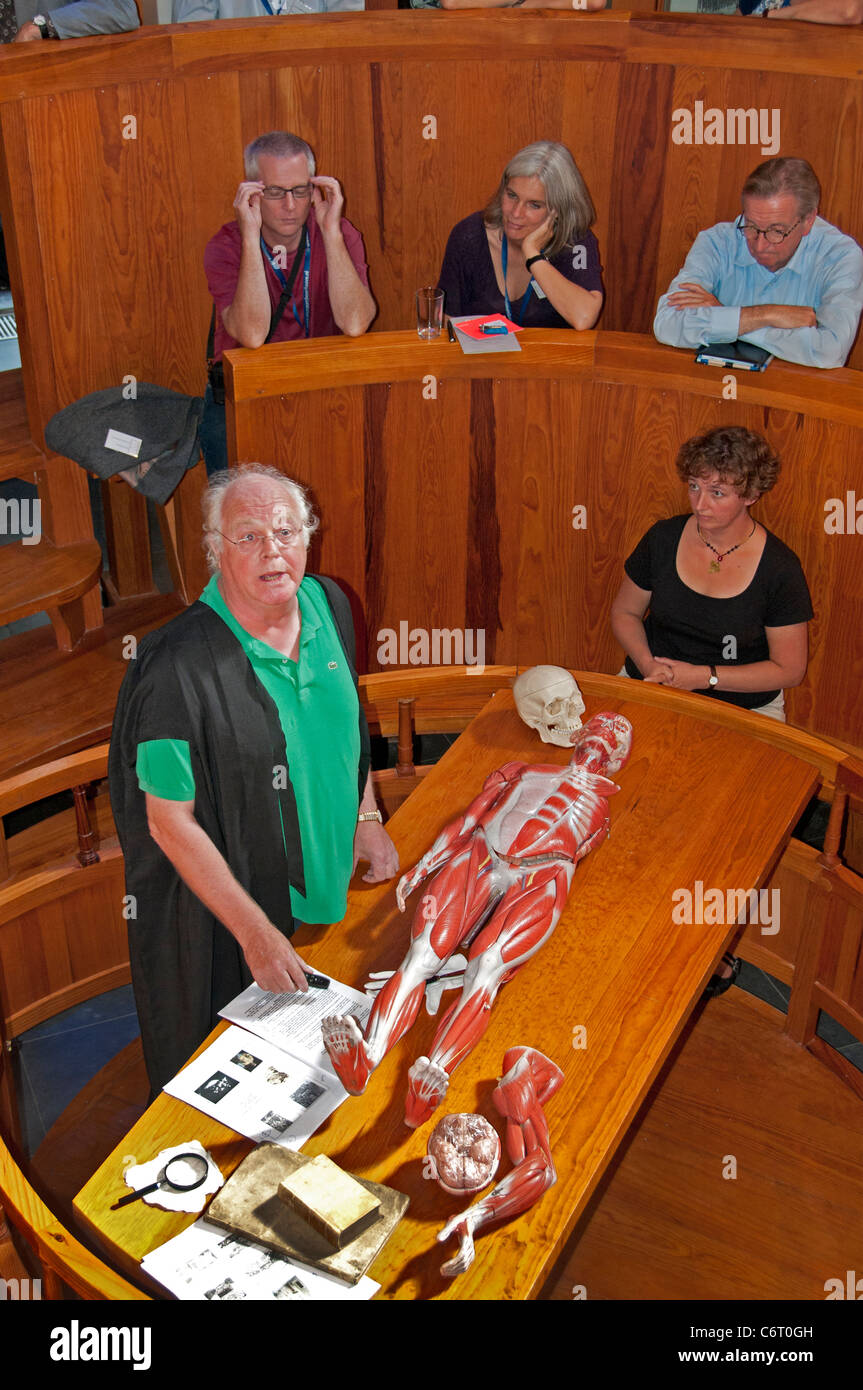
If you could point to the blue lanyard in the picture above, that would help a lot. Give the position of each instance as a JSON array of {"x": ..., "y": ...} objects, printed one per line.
[
  {"x": 305, "y": 321},
  {"x": 503, "y": 259}
]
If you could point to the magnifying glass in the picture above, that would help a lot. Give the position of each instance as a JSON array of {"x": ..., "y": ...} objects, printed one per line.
[{"x": 182, "y": 1173}]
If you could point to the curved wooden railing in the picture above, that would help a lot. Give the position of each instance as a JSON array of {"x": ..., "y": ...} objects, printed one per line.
[
  {"x": 404, "y": 109},
  {"x": 499, "y": 494}
]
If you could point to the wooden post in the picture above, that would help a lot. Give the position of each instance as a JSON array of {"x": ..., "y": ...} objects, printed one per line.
[
  {"x": 127, "y": 536},
  {"x": 87, "y": 852},
  {"x": 829, "y": 856},
  {"x": 405, "y": 763},
  {"x": 802, "y": 1019}
]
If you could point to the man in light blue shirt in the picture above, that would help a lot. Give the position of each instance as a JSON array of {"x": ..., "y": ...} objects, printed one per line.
[
  {"x": 185, "y": 10},
  {"x": 81, "y": 19},
  {"x": 780, "y": 276}
]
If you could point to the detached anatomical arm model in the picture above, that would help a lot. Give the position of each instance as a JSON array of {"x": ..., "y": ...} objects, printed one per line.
[{"x": 530, "y": 1079}]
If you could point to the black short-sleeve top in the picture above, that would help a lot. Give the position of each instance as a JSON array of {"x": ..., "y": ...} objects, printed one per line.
[{"x": 688, "y": 626}]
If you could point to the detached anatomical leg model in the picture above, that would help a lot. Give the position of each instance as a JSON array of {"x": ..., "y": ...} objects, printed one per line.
[
  {"x": 503, "y": 872},
  {"x": 529, "y": 1081}
]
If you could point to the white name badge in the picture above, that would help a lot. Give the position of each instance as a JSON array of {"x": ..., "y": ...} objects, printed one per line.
[{"x": 121, "y": 443}]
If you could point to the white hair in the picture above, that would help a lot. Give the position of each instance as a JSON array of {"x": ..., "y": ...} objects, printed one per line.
[{"x": 213, "y": 504}]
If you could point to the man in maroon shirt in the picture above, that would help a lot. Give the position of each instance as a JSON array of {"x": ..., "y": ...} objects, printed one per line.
[{"x": 274, "y": 254}]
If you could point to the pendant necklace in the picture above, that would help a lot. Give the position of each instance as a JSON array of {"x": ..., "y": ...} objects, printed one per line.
[{"x": 714, "y": 565}]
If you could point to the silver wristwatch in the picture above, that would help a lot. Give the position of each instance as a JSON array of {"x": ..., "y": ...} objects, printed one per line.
[{"x": 45, "y": 26}]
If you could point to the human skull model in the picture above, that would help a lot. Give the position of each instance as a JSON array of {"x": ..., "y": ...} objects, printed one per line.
[{"x": 549, "y": 701}]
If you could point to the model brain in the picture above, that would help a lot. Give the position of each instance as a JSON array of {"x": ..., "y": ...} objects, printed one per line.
[{"x": 465, "y": 1150}]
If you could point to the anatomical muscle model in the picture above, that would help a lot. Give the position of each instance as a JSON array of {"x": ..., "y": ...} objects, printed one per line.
[
  {"x": 529, "y": 1079},
  {"x": 502, "y": 876}
]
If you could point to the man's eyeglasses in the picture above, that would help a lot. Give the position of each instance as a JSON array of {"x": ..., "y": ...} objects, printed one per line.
[
  {"x": 773, "y": 235},
  {"x": 284, "y": 536},
  {"x": 274, "y": 194}
]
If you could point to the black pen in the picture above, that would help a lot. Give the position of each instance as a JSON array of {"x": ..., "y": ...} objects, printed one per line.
[{"x": 451, "y": 331}]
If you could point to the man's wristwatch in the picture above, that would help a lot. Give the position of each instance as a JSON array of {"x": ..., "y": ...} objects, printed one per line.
[
  {"x": 714, "y": 679},
  {"x": 370, "y": 815},
  {"x": 45, "y": 26}
]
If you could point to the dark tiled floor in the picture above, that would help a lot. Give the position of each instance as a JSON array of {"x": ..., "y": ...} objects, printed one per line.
[
  {"x": 775, "y": 993},
  {"x": 57, "y": 1058},
  {"x": 428, "y": 748}
]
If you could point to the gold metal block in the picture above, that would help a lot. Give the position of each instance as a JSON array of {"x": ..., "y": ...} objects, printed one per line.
[{"x": 333, "y": 1202}]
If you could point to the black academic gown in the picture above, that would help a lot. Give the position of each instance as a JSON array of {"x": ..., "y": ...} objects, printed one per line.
[{"x": 191, "y": 680}]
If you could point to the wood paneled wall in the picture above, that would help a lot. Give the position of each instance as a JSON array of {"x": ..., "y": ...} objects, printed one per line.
[
  {"x": 457, "y": 511},
  {"x": 109, "y": 231}
]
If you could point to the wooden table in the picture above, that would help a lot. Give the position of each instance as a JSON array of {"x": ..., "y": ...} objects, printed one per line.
[{"x": 697, "y": 802}]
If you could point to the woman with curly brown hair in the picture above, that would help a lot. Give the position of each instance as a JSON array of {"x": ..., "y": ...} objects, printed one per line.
[{"x": 713, "y": 602}]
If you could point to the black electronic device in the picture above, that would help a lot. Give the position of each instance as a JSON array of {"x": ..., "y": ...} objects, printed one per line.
[{"x": 742, "y": 356}]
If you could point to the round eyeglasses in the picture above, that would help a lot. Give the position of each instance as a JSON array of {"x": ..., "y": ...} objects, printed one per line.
[
  {"x": 284, "y": 536},
  {"x": 773, "y": 235},
  {"x": 274, "y": 193}
]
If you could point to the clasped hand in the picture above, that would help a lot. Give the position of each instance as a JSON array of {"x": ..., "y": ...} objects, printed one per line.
[
  {"x": 689, "y": 295},
  {"x": 682, "y": 675},
  {"x": 692, "y": 296}
]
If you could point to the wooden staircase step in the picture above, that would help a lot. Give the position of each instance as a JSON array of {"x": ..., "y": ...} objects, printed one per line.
[
  {"x": 54, "y": 703},
  {"x": 37, "y": 577}
]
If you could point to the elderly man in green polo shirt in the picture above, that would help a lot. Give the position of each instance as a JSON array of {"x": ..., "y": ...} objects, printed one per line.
[{"x": 239, "y": 771}]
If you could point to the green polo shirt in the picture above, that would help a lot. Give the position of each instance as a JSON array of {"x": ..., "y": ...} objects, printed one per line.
[{"x": 319, "y": 714}]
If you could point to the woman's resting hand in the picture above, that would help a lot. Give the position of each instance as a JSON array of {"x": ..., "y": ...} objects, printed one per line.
[
  {"x": 659, "y": 672},
  {"x": 681, "y": 674}
]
